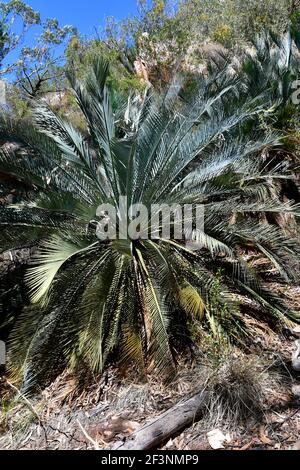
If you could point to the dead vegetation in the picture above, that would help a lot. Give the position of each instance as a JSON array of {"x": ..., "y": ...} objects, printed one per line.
[{"x": 252, "y": 402}]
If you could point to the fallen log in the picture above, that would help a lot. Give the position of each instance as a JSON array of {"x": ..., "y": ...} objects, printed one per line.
[{"x": 166, "y": 425}]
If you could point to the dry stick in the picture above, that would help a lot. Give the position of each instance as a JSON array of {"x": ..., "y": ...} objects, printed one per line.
[
  {"x": 205, "y": 385},
  {"x": 69, "y": 437},
  {"x": 30, "y": 406},
  {"x": 286, "y": 419},
  {"x": 166, "y": 425},
  {"x": 95, "y": 444}
]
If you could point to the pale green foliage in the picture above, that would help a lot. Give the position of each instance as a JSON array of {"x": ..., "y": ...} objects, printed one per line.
[
  {"x": 168, "y": 33},
  {"x": 233, "y": 21}
]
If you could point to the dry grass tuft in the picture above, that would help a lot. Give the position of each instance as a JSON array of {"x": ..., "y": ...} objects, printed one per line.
[{"x": 237, "y": 391}]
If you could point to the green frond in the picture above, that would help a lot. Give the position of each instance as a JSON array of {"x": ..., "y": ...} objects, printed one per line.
[
  {"x": 52, "y": 255},
  {"x": 157, "y": 310}
]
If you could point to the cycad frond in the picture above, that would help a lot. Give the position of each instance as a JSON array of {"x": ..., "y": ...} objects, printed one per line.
[{"x": 105, "y": 299}]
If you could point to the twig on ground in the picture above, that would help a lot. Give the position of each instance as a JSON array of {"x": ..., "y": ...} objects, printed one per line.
[
  {"x": 277, "y": 425},
  {"x": 30, "y": 406},
  {"x": 95, "y": 444}
]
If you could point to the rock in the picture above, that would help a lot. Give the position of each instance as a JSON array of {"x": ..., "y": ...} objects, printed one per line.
[
  {"x": 111, "y": 427},
  {"x": 54, "y": 98},
  {"x": 296, "y": 390},
  {"x": 296, "y": 357},
  {"x": 18, "y": 256},
  {"x": 216, "y": 439},
  {"x": 296, "y": 331}
]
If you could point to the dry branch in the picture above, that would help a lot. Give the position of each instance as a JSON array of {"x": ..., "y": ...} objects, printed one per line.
[{"x": 166, "y": 425}]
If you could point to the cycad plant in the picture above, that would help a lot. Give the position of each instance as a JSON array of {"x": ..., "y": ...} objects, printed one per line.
[
  {"x": 272, "y": 66},
  {"x": 134, "y": 298}
]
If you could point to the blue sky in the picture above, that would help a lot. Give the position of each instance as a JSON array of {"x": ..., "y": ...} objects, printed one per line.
[{"x": 86, "y": 15}]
